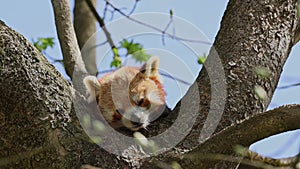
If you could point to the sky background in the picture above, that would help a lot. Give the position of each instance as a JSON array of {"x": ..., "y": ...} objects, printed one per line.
[{"x": 34, "y": 18}]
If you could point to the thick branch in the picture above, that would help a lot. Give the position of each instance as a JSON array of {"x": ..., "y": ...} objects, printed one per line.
[
  {"x": 39, "y": 126},
  {"x": 221, "y": 147},
  {"x": 66, "y": 35},
  {"x": 261, "y": 126},
  {"x": 35, "y": 99},
  {"x": 250, "y": 36},
  {"x": 35, "y": 96}
]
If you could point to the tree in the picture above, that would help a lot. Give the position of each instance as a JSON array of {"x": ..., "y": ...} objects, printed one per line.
[{"x": 38, "y": 122}]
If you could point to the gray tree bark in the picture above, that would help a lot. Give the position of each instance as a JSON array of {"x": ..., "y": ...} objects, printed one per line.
[
  {"x": 66, "y": 34},
  {"x": 39, "y": 127},
  {"x": 252, "y": 34}
]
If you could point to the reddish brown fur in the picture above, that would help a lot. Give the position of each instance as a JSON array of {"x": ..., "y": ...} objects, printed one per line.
[{"x": 126, "y": 88}]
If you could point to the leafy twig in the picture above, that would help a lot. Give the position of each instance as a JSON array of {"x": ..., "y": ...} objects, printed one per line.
[{"x": 167, "y": 27}]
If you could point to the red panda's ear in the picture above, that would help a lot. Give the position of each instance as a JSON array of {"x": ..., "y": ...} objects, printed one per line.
[
  {"x": 92, "y": 85},
  {"x": 150, "y": 68}
]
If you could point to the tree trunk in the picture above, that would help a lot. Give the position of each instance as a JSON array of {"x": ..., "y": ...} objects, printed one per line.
[
  {"x": 39, "y": 127},
  {"x": 252, "y": 35}
]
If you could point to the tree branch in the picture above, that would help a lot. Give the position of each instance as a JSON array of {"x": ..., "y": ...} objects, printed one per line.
[
  {"x": 220, "y": 149},
  {"x": 151, "y": 26},
  {"x": 85, "y": 27},
  {"x": 66, "y": 35},
  {"x": 35, "y": 99},
  {"x": 39, "y": 126},
  {"x": 289, "y": 162},
  {"x": 247, "y": 132},
  {"x": 241, "y": 51},
  {"x": 101, "y": 23},
  {"x": 297, "y": 34}
]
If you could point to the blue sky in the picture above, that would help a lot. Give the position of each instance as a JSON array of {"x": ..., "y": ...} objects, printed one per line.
[{"x": 34, "y": 18}]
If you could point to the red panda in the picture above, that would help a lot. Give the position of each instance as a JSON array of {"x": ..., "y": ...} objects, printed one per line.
[{"x": 128, "y": 97}]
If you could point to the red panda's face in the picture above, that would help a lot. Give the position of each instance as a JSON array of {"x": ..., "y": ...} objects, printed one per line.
[
  {"x": 147, "y": 102},
  {"x": 145, "y": 91}
]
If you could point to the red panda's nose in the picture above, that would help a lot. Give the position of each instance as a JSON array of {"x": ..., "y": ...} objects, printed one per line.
[
  {"x": 135, "y": 119},
  {"x": 144, "y": 103}
]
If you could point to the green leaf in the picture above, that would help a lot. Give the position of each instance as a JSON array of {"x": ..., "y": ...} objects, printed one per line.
[
  {"x": 43, "y": 43},
  {"x": 116, "y": 62},
  {"x": 201, "y": 59},
  {"x": 96, "y": 139},
  {"x": 98, "y": 126},
  {"x": 135, "y": 49},
  {"x": 86, "y": 120},
  {"x": 171, "y": 13},
  {"x": 131, "y": 47},
  {"x": 125, "y": 43},
  {"x": 141, "y": 56}
]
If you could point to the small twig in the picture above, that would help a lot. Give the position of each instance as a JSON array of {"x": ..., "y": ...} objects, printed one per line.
[
  {"x": 113, "y": 12},
  {"x": 175, "y": 78},
  {"x": 105, "y": 11},
  {"x": 155, "y": 28},
  {"x": 101, "y": 23},
  {"x": 134, "y": 7},
  {"x": 288, "y": 86},
  {"x": 164, "y": 74},
  {"x": 165, "y": 30},
  {"x": 97, "y": 45}
]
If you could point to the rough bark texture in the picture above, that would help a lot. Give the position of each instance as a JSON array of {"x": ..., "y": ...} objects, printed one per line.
[
  {"x": 275, "y": 121},
  {"x": 85, "y": 27},
  {"x": 252, "y": 34},
  {"x": 39, "y": 127},
  {"x": 35, "y": 99}
]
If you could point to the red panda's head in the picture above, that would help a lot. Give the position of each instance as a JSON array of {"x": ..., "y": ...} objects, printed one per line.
[
  {"x": 147, "y": 96},
  {"x": 136, "y": 95}
]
